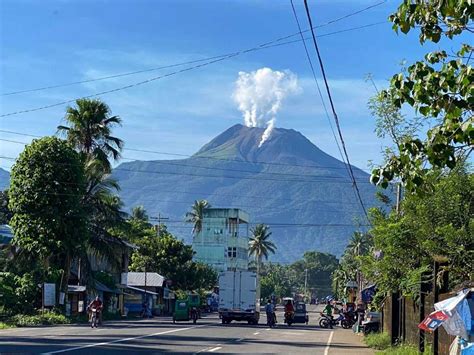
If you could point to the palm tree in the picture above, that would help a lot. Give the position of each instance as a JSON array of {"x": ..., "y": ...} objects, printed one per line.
[
  {"x": 260, "y": 245},
  {"x": 139, "y": 213},
  {"x": 196, "y": 215},
  {"x": 358, "y": 244},
  {"x": 90, "y": 131}
]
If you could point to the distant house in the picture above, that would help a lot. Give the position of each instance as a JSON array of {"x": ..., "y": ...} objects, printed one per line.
[
  {"x": 140, "y": 287},
  {"x": 79, "y": 295},
  {"x": 223, "y": 241}
]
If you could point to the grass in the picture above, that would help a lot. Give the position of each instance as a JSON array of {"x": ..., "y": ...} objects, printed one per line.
[
  {"x": 403, "y": 349},
  {"x": 378, "y": 341},
  {"x": 381, "y": 342}
]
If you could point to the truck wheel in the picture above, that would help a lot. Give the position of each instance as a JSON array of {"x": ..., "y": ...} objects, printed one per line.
[{"x": 224, "y": 321}]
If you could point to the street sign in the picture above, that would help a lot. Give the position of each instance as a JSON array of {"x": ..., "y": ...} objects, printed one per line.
[{"x": 49, "y": 294}]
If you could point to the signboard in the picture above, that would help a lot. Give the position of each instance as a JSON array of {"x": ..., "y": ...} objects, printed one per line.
[
  {"x": 62, "y": 296},
  {"x": 49, "y": 295},
  {"x": 80, "y": 306},
  {"x": 433, "y": 321}
]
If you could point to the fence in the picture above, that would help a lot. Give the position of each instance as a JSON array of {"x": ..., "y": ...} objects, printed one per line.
[{"x": 401, "y": 316}]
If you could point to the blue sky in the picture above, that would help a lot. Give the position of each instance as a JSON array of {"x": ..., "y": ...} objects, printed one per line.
[{"x": 53, "y": 42}]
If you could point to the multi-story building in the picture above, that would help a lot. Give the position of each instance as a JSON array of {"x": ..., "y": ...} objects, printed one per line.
[{"x": 223, "y": 240}]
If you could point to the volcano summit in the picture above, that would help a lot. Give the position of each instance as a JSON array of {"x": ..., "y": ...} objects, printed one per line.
[{"x": 304, "y": 194}]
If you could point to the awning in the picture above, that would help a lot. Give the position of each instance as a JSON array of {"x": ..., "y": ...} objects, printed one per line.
[
  {"x": 76, "y": 288},
  {"x": 142, "y": 290}
]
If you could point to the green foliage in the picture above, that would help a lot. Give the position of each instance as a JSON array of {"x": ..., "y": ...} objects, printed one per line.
[
  {"x": 46, "y": 189},
  {"x": 90, "y": 131},
  {"x": 5, "y": 213},
  {"x": 284, "y": 280},
  {"x": 438, "y": 88},
  {"x": 434, "y": 227},
  {"x": 5, "y": 325},
  {"x": 351, "y": 262},
  {"x": 18, "y": 293},
  {"x": 379, "y": 341},
  {"x": 167, "y": 256},
  {"x": 48, "y": 318},
  {"x": 432, "y": 16},
  {"x": 195, "y": 216},
  {"x": 260, "y": 244},
  {"x": 403, "y": 349}
]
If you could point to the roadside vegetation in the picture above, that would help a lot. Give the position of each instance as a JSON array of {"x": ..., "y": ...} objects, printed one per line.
[{"x": 381, "y": 343}]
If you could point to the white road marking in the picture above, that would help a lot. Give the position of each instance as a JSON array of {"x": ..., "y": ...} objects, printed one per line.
[
  {"x": 121, "y": 340},
  {"x": 328, "y": 345},
  {"x": 256, "y": 333},
  {"x": 215, "y": 349}
]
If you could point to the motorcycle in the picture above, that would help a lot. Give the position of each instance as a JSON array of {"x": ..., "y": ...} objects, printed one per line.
[
  {"x": 347, "y": 322},
  {"x": 95, "y": 317},
  {"x": 289, "y": 318}
]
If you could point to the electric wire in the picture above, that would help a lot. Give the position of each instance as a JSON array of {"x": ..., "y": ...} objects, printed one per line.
[
  {"x": 333, "y": 108},
  {"x": 187, "y": 62}
]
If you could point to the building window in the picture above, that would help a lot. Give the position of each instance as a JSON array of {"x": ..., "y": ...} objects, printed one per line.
[{"x": 232, "y": 252}]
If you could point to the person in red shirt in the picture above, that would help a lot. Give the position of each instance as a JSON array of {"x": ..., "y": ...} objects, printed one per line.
[{"x": 97, "y": 304}]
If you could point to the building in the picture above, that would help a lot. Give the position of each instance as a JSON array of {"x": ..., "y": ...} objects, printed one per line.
[
  {"x": 140, "y": 287},
  {"x": 223, "y": 240}
]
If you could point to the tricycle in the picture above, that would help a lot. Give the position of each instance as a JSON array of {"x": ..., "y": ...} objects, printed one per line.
[
  {"x": 300, "y": 316},
  {"x": 183, "y": 311}
]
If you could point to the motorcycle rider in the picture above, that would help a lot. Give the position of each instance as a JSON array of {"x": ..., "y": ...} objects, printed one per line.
[
  {"x": 328, "y": 312},
  {"x": 289, "y": 309},
  {"x": 270, "y": 310},
  {"x": 97, "y": 304}
]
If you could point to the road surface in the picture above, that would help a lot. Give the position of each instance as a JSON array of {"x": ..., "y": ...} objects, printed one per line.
[{"x": 160, "y": 335}]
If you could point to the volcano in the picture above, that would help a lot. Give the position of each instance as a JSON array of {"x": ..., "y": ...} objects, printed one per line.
[{"x": 304, "y": 194}]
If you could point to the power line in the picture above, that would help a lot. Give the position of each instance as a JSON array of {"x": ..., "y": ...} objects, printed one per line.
[
  {"x": 333, "y": 108},
  {"x": 321, "y": 179},
  {"x": 243, "y": 161},
  {"x": 197, "y": 60},
  {"x": 147, "y": 81},
  {"x": 310, "y": 62}
]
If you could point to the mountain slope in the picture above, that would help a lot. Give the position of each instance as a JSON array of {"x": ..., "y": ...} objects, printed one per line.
[
  {"x": 288, "y": 182},
  {"x": 4, "y": 179}
]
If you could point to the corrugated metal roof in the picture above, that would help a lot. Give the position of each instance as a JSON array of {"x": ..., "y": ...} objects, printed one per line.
[{"x": 138, "y": 279}]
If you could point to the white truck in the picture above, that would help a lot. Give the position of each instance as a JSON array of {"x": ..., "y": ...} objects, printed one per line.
[{"x": 239, "y": 296}]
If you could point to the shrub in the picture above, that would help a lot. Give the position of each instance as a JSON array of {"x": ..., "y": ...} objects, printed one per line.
[
  {"x": 403, "y": 349},
  {"x": 5, "y": 325},
  {"x": 48, "y": 318},
  {"x": 379, "y": 341}
]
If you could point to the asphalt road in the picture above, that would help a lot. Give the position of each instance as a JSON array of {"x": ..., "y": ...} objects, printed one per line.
[{"x": 160, "y": 335}]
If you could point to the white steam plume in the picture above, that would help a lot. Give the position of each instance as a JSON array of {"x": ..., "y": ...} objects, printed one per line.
[{"x": 260, "y": 94}]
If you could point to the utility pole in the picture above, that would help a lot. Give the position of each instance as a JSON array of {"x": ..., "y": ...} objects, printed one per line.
[
  {"x": 159, "y": 222},
  {"x": 305, "y": 280}
]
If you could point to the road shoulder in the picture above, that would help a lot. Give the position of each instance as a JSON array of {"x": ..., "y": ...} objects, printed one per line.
[{"x": 345, "y": 341}]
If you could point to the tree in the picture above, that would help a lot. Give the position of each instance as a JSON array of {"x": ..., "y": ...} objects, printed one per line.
[
  {"x": 90, "y": 131},
  {"x": 46, "y": 192},
  {"x": 438, "y": 88},
  {"x": 436, "y": 227},
  {"x": 195, "y": 216},
  {"x": 260, "y": 244},
  {"x": 139, "y": 213},
  {"x": 171, "y": 258},
  {"x": 5, "y": 213}
]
